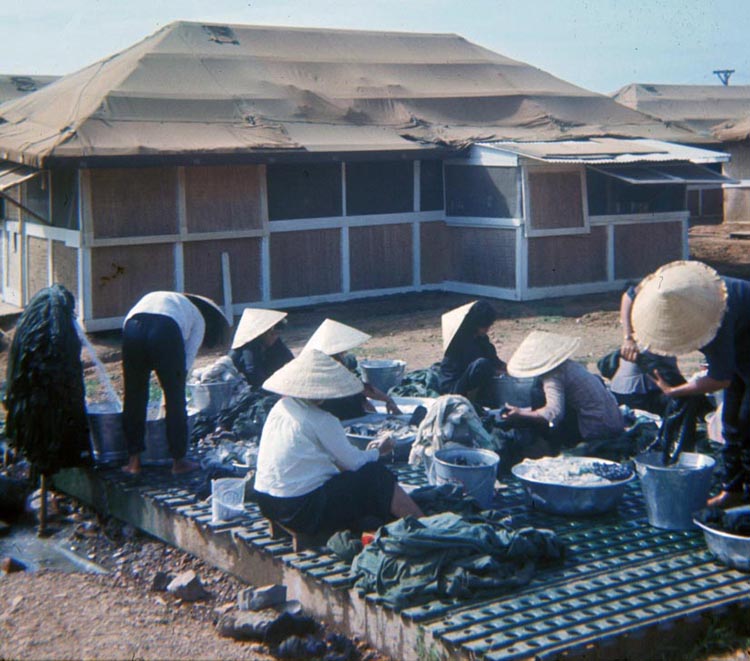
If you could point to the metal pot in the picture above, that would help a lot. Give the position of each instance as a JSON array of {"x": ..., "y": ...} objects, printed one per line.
[
  {"x": 157, "y": 448},
  {"x": 105, "y": 432}
]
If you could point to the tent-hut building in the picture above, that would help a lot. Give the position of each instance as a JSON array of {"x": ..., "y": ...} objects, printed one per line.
[
  {"x": 278, "y": 166},
  {"x": 720, "y": 115}
]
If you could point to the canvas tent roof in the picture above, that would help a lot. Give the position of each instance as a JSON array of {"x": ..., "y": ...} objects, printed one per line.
[
  {"x": 14, "y": 86},
  {"x": 208, "y": 89},
  {"x": 711, "y": 110}
]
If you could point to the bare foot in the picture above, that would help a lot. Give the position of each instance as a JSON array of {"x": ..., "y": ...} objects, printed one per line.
[
  {"x": 133, "y": 467},
  {"x": 726, "y": 499},
  {"x": 181, "y": 466}
]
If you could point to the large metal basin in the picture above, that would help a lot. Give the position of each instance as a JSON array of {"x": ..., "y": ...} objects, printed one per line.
[
  {"x": 157, "y": 448},
  {"x": 571, "y": 499},
  {"x": 382, "y": 374},
  {"x": 210, "y": 398},
  {"x": 729, "y": 548}
]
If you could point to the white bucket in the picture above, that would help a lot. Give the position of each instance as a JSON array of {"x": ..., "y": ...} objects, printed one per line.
[{"x": 227, "y": 498}]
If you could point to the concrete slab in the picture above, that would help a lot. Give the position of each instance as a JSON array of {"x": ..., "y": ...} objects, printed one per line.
[{"x": 622, "y": 584}]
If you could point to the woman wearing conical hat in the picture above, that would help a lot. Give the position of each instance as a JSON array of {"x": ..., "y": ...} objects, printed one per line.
[
  {"x": 686, "y": 306},
  {"x": 336, "y": 340},
  {"x": 578, "y": 405},
  {"x": 309, "y": 477},
  {"x": 257, "y": 349},
  {"x": 470, "y": 360}
]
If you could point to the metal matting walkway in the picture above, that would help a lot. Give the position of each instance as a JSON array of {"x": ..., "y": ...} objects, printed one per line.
[{"x": 620, "y": 578}]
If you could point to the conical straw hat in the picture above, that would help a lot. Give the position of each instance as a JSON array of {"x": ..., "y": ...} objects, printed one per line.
[
  {"x": 333, "y": 337},
  {"x": 541, "y": 352},
  {"x": 678, "y": 308},
  {"x": 208, "y": 308},
  {"x": 451, "y": 321},
  {"x": 253, "y": 323},
  {"x": 313, "y": 375}
]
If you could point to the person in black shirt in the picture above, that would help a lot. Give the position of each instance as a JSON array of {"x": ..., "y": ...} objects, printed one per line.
[
  {"x": 257, "y": 349},
  {"x": 470, "y": 361}
]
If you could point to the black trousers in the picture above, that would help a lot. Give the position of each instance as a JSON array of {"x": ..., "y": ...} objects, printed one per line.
[
  {"x": 153, "y": 342},
  {"x": 735, "y": 422}
]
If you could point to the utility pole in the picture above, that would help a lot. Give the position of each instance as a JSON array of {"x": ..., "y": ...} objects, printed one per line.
[{"x": 724, "y": 75}]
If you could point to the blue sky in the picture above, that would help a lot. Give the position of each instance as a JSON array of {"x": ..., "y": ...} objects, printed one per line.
[{"x": 599, "y": 44}]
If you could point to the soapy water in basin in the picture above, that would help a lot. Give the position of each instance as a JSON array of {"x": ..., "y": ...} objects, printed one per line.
[{"x": 573, "y": 471}]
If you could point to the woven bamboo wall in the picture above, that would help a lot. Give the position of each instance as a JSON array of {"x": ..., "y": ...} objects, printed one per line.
[
  {"x": 203, "y": 275},
  {"x": 134, "y": 202},
  {"x": 37, "y": 265},
  {"x": 305, "y": 263},
  {"x": 640, "y": 250},
  {"x": 380, "y": 257},
  {"x": 120, "y": 275},
  {"x": 65, "y": 266},
  {"x": 222, "y": 198},
  {"x": 483, "y": 256},
  {"x": 435, "y": 252},
  {"x": 565, "y": 260},
  {"x": 556, "y": 200}
]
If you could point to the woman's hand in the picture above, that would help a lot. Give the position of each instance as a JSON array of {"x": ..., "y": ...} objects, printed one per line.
[
  {"x": 384, "y": 445},
  {"x": 659, "y": 381},
  {"x": 629, "y": 350},
  {"x": 511, "y": 412}
]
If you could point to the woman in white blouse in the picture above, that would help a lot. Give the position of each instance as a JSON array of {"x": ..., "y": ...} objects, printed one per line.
[{"x": 309, "y": 477}]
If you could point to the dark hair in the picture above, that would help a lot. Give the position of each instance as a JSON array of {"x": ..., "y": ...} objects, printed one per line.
[{"x": 481, "y": 315}]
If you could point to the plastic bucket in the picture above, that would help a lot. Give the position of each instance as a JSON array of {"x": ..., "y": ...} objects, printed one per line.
[
  {"x": 673, "y": 493},
  {"x": 105, "y": 431},
  {"x": 476, "y": 477},
  {"x": 383, "y": 374},
  {"x": 227, "y": 498}
]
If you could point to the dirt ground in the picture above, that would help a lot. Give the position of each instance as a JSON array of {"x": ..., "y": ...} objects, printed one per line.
[{"x": 55, "y": 615}]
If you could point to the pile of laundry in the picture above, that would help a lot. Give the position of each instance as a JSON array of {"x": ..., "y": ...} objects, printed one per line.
[{"x": 454, "y": 556}]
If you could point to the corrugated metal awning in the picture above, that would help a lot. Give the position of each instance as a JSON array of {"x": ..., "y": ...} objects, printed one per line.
[
  {"x": 675, "y": 173},
  {"x": 12, "y": 174},
  {"x": 600, "y": 151}
]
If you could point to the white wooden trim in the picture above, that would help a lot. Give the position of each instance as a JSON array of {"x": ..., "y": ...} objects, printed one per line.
[
  {"x": 610, "y": 248},
  {"x": 535, "y": 293},
  {"x": 50, "y": 264},
  {"x": 181, "y": 193},
  {"x": 334, "y": 222},
  {"x": 631, "y": 219},
  {"x": 179, "y": 267},
  {"x": 476, "y": 221},
  {"x": 561, "y": 231},
  {"x": 416, "y": 254},
  {"x": 263, "y": 188},
  {"x": 70, "y": 238},
  {"x": 226, "y": 284},
  {"x": 522, "y": 261},
  {"x": 84, "y": 280},
  {"x": 24, "y": 239},
  {"x": 346, "y": 276},
  {"x": 479, "y": 290},
  {"x": 265, "y": 269},
  {"x": 685, "y": 243},
  {"x": 417, "y": 179},
  {"x": 5, "y": 280},
  {"x": 343, "y": 188},
  {"x": 170, "y": 238}
]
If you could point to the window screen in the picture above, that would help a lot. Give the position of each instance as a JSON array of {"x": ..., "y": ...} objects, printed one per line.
[
  {"x": 64, "y": 198},
  {"x": 610, "y": 196},
  {"x": 431, "y": 186},
  {"x": 304, "y": 191},
  {"x": 472, "y": 190},
  {"x": 379, "y": 187}
]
